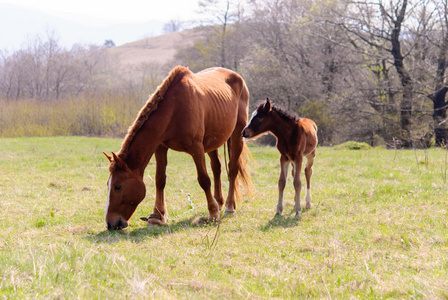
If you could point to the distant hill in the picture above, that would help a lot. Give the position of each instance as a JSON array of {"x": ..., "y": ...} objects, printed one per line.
[
  {"x": 159, "y": 49},
  {"x": 18, "y": 25}
]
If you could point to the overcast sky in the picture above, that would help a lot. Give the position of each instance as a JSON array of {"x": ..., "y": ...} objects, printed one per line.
[{"x": 83, "y": 20}]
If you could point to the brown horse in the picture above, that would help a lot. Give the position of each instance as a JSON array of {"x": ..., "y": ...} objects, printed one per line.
[
  {"x": 296, "y": 138},
  {"x": 192, "y": 113}
]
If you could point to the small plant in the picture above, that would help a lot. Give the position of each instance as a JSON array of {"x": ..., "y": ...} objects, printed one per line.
[
  {"x": 211, "y": 243},
  {"x": 352, "y": 145}
]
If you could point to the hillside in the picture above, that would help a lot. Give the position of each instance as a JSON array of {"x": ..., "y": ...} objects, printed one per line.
[{"x": 159, "y": 49}]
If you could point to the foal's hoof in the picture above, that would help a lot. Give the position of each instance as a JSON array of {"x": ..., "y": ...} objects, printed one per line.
[{"x": 299, "y": 214}]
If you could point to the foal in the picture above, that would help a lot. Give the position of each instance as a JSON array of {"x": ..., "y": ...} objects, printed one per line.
[{"x": 296, "y": 138}]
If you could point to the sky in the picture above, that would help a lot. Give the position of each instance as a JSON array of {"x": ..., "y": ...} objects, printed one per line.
[{"x": 89, "y": 21}]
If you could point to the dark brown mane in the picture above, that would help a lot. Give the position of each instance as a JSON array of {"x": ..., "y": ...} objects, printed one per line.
[
  {"x": 286, "y": 115},
  {"x": 150, "y": 106},
  {"x": 283, "y": 113}
]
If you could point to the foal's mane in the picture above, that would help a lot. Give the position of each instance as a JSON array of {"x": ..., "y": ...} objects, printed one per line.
[
  {"x": 286, "y": 115},
  {"x": 150, "y": 106},
  {"x": 283, "y": 113}
]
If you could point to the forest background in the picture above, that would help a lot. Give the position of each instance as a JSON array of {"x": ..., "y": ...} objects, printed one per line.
[{"x": 369, "y": 71}]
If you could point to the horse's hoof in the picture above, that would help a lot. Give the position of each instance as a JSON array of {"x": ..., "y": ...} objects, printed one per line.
[
  {"x": 153, "y": 220},
  {"x": 214, "y": 218},
  {"x": 277, "y": 214},
  {"x": 299, "y": 215},
  {"x": 308, "y": 206},
  {"x": 205, "y": 221},
  {"x": 229, "y": 212}
]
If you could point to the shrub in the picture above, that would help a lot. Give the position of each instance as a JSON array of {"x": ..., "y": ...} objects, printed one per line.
[{"x": 352, "y": 145}]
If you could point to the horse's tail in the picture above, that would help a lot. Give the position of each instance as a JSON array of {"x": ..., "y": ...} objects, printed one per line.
[{"x": 243, "y": 177}]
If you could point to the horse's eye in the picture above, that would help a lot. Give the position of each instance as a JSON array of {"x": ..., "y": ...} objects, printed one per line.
[{"x": 118, "y": 187}]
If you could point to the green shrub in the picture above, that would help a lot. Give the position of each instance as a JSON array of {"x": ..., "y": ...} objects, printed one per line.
[{"x": 352, "y": 145}]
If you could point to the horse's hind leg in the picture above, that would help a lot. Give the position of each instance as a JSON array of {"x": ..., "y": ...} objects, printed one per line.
[
  {"x": 215, "y": 162},
  {"x": 236, "y": 145},
  {"x": 308, "y": 173},
  {"x": 297, "y": 186},
  {"x": 197, "y": 152}
]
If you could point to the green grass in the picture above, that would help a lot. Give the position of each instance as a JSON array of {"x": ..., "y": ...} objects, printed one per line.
[{"x": 378, "y": 229}]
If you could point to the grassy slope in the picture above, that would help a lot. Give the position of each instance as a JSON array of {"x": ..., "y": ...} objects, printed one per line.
[{"x": 378, "y": 228}]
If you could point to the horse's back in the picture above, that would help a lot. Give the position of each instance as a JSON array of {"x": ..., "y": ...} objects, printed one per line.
[
  {"x": 211, "y": 78},
  {"x": 209, "y": 105},
  {"x": 309, "y": 129}
]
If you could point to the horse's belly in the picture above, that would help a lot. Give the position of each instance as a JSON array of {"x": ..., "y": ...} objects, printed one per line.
[
  {"x": 216, "y": 136},
  {"x": 214, "y": 141}
]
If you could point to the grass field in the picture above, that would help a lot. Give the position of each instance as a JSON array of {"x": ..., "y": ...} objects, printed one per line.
[{"x": 378, "y": 228}]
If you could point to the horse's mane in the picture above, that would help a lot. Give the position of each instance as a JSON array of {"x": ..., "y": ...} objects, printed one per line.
[
  {"x": 285, "y": 114},
  {"x": 150, "y": 106}
]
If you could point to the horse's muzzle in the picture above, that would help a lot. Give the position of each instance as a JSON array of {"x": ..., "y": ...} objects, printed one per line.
[
  {"x": 245, "y": 133},
  {"x": 120, "y": 224}
]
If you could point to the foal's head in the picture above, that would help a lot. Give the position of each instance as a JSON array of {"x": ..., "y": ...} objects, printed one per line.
[
  {"x": 125, "y": 192},
  {"x": 260, "y": 121}
]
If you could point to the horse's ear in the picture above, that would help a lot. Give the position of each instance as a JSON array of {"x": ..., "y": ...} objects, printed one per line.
[
  {"x": 267, "y": 106},
  {"x": 120, "y": 163},
  {"x": 108, "y": 156}
]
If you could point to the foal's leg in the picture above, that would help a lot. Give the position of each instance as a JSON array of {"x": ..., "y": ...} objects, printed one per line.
[
  {"x": 215, "y": 162},
  {"x": 197, "y": 152},
  {"x": 284, "y": 166},
  {"x": 297, "y": 185},
  {"x": 159, "y": 210},
  {"x": 308, "y": 173}
]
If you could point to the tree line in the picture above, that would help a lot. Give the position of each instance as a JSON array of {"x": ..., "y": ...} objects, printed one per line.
[{"x": 372, "y": 71}]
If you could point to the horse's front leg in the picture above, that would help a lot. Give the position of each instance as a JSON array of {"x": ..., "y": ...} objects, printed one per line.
[
  {"x": 284, "y": 166},
  {"x": 159, "y": 213},
  {"x": 198, "y": 155},
  {"x": 297, "y": 186},
  {"x": 215, "y": 162}
]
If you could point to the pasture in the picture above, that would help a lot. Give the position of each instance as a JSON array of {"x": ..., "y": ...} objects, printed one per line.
[{"x": 378, "y": 228}]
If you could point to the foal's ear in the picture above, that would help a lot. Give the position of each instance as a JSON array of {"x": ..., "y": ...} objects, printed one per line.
[
  {"x": 108, "y": 156},
  {"x": 267, "y": 105}
]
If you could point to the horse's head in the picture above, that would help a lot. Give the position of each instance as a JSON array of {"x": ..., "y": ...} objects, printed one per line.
[
  {"x": 125, "y": 192},
  {"x": 258, "y": 124}
]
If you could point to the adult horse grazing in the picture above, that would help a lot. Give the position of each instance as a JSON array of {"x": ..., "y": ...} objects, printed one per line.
[
  {"x": 296, "y": 138},
  {"x": 192, "y": 113}
]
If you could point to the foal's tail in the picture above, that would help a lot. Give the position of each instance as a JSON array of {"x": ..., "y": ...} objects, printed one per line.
[{"x": 243, "y": 178}]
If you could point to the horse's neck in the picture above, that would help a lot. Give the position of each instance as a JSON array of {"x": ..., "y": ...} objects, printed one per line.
[
  {"x": 138, "y": 157},
  {"x": 281, "y": 128},
  {"x": 143, "y": 147}
]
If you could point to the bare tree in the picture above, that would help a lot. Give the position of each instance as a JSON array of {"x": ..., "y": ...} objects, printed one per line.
[
  {"x": 172, "y": 26},
  {"x": 44, "y": 70},
  {"x": 380, "y": 27},
  {"x": 439, "y": 39},
  {"x": 222, "y": 12}
]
